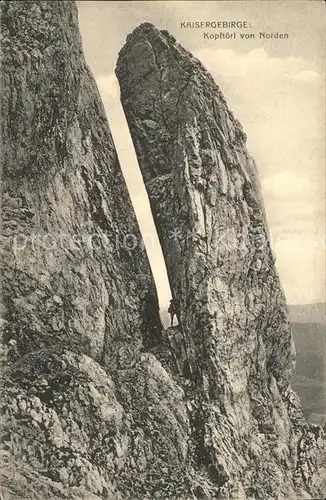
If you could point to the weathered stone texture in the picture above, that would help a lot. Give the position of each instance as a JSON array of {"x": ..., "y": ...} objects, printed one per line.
[
  {"x": 67, "y": 276},
  {"x": 86, "y": 411},
  {"x": 205, "y": 196},
  {"x": 97, "y": 402}
]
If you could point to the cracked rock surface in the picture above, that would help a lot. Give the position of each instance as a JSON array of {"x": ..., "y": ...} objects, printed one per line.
[
  {"x": 67, "y": 275},
  {"x": 248, "y": 437},
  {"x": 87, "y": 412},
  {"x": 97, "y": 402}
]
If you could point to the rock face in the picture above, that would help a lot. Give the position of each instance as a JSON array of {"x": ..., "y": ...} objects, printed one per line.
[
  {"x": 97, "y": 401},
  {"x": 69, "y": 275},
  {"x": 248, "y": 434},
  {"x": 85, "y": 407}
]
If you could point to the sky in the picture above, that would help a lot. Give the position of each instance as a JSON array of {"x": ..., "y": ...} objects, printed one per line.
[{"x": 275, "y": 88}]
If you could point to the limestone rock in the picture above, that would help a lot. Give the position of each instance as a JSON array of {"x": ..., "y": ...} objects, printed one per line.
[
  {"x": 97, "y": 402},
  {"x": 206, "y": 201},
  {"x": 80, "y": 435},
  {"x": 68, "y": 276},
  {"x": 86, "y": 411}
]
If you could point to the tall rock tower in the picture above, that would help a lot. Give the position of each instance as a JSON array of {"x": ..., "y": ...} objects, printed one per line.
[{"x": 205, "y": 196}]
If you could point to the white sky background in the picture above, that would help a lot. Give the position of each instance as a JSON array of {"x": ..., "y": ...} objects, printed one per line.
[{"x": 275, "y": 88}]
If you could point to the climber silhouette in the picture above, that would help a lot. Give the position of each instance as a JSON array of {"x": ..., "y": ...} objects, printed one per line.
[{"x": 172, "y": 310}]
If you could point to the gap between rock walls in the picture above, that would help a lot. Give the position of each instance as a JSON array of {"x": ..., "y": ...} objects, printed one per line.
[{"x": 139, "y": 198}]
